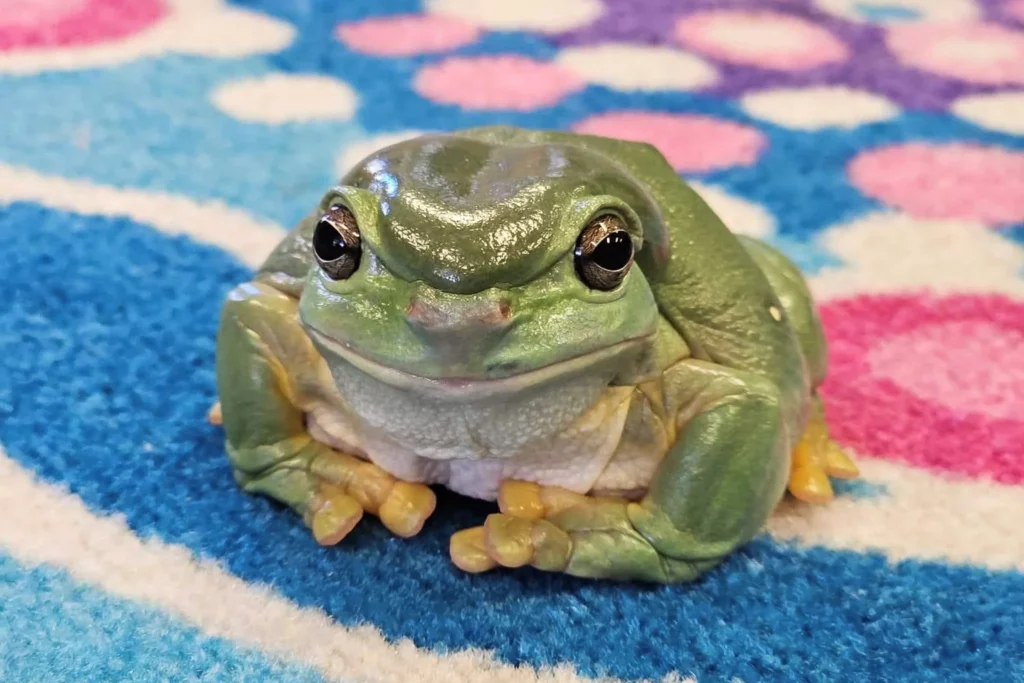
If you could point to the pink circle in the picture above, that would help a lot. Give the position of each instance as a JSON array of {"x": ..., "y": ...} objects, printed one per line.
[
  {"x": 934, "y": 382},
  {"x": 689, "y": 142},
  {"x": 50, "y": 23},
  {"x": 968, "y": 367},
  {"x": 1016, "y": 10},
  {"x": 37, "y": 13},
  {"x": 496, "y": 82},
  {"x": 955, "y": 180},
  {"x": 406, "y": 34},
  {"x": 977, "y": 53},
  {"x": 759, "y": 38}
]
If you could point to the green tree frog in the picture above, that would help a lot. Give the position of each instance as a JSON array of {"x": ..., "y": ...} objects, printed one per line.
[{"x": 555, "y": 322}]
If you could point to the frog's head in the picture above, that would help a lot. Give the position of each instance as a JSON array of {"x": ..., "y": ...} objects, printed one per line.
[{"x": 458, "y": 267}]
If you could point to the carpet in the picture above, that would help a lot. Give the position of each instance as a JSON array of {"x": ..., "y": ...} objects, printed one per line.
[{"x": 151, "y": 154}]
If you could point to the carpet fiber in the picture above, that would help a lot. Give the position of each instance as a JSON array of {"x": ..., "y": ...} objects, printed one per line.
[{"x": 152, "y": 152}]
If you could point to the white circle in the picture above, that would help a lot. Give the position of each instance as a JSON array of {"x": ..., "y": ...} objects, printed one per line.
[
  {"x": 740, "y": 215},
  {"x": 891, "y": 251},
  {"x": 283, "y": 98},
  {"x": 819, "y": 107},
  {"x": 550, "y": 16},
  {"x": 638, "y": 67},
  {"x": 1001, "y": 111},
  {"x": 897, "y": 11},
  {"x": 352, "y": 154},
  {"x": 747, "y": 36}
]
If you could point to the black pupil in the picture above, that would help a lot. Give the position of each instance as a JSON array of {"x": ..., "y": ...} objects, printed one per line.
[
  {"x": 614, "y": 251},
  {"x": 328, "y": 242}
]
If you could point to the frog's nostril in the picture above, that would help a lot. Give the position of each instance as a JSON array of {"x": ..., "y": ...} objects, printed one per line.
[
  {"x": 452, "y": 315},
  {"x": 503, "y": 369}
]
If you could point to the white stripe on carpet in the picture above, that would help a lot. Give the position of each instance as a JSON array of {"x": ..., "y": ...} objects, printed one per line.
[
  {"x": 45, "y": 524},
  {"x": 212, "y": 222},
  {"x": 923, "y": 516}
]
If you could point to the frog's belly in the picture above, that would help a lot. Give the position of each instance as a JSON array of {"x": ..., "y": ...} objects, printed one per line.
[{"x": 612, "y": 448}]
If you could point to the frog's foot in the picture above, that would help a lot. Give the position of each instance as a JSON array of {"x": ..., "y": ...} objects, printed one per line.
[
  {"x": 332, "y": 490},
  {"x": 816, "y": 458},
  {"x": 553, "y": 529},
  {"x": 403, "y": 507},
  {"x": 507, "y": 538}
]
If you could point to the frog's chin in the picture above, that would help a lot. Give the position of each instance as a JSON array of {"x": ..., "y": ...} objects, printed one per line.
[{"x": 473, "y": 389}]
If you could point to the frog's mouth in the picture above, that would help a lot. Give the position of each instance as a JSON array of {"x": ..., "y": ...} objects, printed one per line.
[{"x": 476, "y": 388}]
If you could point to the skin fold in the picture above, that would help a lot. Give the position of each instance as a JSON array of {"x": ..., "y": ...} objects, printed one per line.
[{"x": 638, "y": 432}]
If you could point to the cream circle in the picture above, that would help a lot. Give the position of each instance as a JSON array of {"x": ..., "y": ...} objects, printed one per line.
[
  {"x": 1002, "y": 111},
  {"x": 551, "y": 16},
  {"x": 818, "y": 107},
  {"x": 284, "y": 98},
  {"x": 624, "y": 66}
]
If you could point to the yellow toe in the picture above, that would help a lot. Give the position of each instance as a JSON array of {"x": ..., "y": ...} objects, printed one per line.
[
  {"x": 838, "y": 464},
  {"x": 407, "y": 508},
  {"x": 335, "y": 518},
  {"x": 509, "y": 540},
  {"x": 811, "y": 485},
  {"x": 467, "y": 551},
  {"x": 520, "y": 499}
]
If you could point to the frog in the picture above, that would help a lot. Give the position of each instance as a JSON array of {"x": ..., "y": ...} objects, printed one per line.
[{"x": 553, "y": 322}]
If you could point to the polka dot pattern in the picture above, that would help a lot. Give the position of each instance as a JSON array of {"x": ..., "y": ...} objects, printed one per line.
[
  {"x": 945, "y": 181},
  {"x": 496, "y": 82},
  {"x": 875, "y": 142},
  {"x": 690, "y": 143},
  {"x": 768, "y": 40}
]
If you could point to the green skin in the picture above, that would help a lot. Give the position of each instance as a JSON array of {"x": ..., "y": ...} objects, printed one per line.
[{"x": 724, "y": 324}]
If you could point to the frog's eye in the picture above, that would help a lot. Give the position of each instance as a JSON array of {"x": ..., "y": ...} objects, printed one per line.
[
  {"x": 604, "y": 252},
  {"x": 336, "y": 243}
]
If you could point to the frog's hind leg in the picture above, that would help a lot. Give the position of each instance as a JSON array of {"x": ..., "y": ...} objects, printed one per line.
[
  {"x": 816, "y": 458},
  {"x": 267, "y": 368}
]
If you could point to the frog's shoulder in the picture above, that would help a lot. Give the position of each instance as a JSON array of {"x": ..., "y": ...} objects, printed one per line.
[{"x": 288, "y": 264}]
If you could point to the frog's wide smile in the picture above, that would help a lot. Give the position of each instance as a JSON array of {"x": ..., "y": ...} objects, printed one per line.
[{"x": 454, "y": 388}]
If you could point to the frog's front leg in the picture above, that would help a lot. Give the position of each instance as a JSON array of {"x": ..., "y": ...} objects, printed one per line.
[
  {"x": 712, "y": 493},
  {"x": 267, "y": 369}
]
